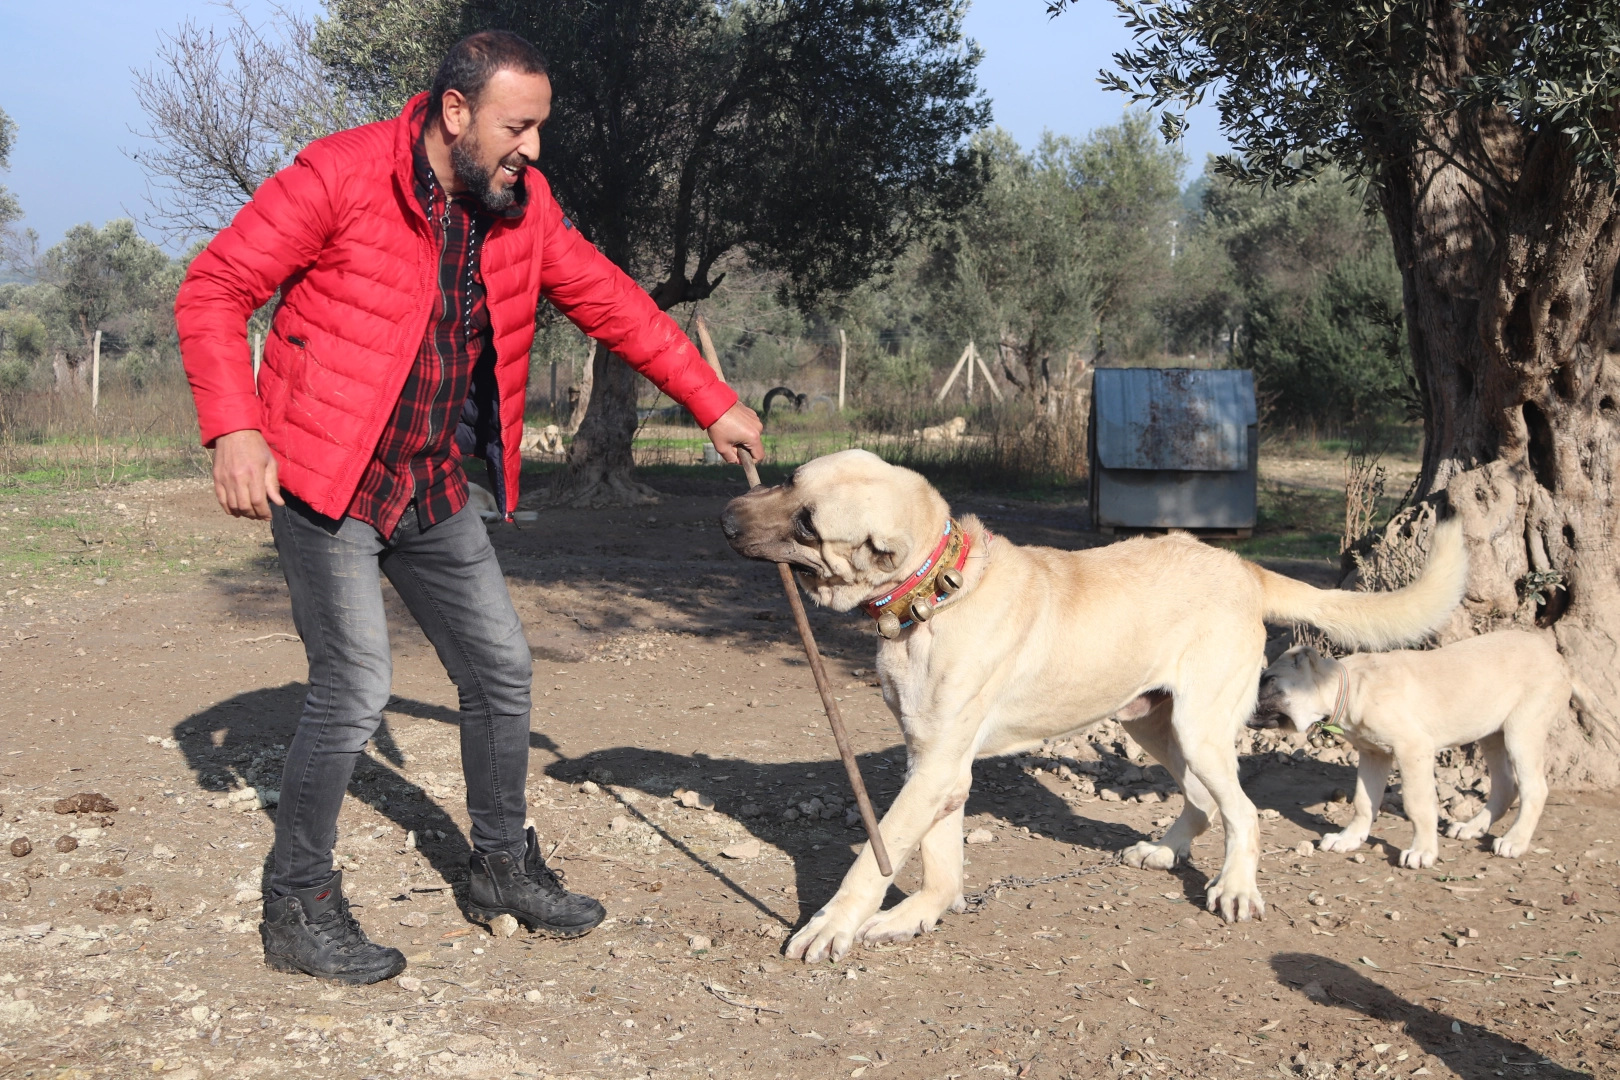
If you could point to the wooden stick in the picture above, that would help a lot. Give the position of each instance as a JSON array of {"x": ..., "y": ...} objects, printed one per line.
[{"x": 828, "y": 702}]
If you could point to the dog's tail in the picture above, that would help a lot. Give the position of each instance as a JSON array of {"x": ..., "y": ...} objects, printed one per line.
[{"x": 1383, "y": 620}]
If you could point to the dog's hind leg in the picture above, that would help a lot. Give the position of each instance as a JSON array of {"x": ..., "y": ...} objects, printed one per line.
[
  {"x": 941, "y": 889},
  {"x": 1156, "y": 736},
  {"x": 1525, "y": 745},
  {"x": 1503, "y": 791}
]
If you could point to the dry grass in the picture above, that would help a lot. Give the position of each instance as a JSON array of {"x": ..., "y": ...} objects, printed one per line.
[{"x": 135, "y": 432}]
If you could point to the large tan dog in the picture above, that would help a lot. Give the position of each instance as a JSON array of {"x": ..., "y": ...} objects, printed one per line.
[
  {"x": 1030, "y": 643},
  {"x": 1501, "y": 690}
]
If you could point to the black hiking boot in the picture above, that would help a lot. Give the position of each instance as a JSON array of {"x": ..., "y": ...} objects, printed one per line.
[
  {"x": 311, "y": 930},
  {"x": 531, "y": 894}
]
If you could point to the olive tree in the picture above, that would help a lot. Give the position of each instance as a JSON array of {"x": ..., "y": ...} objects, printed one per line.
[{"x": 1487, "y": 130}]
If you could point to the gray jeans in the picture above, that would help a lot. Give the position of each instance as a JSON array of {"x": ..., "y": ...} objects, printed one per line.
[{"x": 450, "y": 580}]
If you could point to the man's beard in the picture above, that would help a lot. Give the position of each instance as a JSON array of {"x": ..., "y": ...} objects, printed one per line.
[{"x": 475, "y": 177}]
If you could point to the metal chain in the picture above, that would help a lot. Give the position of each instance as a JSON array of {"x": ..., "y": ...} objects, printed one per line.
[{"x": 983, "y": 896}]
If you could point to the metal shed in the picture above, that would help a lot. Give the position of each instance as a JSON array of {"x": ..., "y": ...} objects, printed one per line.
[{"x": 1173, "y": 448}]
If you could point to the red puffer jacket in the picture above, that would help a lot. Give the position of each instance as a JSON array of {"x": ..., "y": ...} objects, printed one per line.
[{"x": 342, "y": 234}]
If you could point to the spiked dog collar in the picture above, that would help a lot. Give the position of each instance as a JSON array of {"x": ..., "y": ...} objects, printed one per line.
[{"x": 916, "y": 598}]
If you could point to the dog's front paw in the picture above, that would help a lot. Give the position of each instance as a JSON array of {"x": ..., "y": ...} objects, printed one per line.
[
  {"x": 916, "y": 914},
  {"x": 1339, "y": 841},
  {"x": 1417, "y": 859},
  {"x": 1510, "y": 848},
  {"x": 1147, "y": 855},
  {"x": 1472, "y": 829},
  {"x": 828, "y": 935},
  {"x": 1236, "y": 902}
]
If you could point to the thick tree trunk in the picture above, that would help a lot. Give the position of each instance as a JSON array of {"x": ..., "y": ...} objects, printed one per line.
[
  {"x": 1508, "y": 255},
  {"x": 601, "y": 463}
]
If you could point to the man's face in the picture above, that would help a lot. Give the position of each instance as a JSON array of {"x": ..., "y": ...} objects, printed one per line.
[{"x": 492, "y": 142}]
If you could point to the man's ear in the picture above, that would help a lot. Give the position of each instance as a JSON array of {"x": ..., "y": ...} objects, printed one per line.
[{"x": 455, "y": 113}]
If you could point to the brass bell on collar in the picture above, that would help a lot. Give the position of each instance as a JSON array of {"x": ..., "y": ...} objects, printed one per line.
[
  {"x": 889, "y": 624},
  {"x": 922, "y": 609},
  {"x": 951, "y": 581}
]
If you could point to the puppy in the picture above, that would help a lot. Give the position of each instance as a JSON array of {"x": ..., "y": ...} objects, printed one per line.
[
  {"x": 989, "y": 647},
  {"x": 1500, "y": 690}
]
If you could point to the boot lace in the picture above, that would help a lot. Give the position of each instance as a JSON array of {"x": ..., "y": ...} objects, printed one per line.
[
  {"x": 338, "y": 926},
  {"x": 544, "y": 877}
]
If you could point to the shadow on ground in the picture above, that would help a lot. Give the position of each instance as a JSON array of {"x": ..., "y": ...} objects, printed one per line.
[{"x": 1472, "y": 1051}]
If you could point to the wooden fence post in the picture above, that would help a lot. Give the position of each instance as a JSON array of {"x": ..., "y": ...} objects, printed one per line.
[
  {"x": 95, "y": 372},
  {"x": 988, "y": 378},
  {"x": 950, "y": 381},
  {"x": 843, "y": 365}
]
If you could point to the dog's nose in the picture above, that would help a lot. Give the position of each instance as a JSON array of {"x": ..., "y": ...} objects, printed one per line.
[{"x": 730, "y": 525}]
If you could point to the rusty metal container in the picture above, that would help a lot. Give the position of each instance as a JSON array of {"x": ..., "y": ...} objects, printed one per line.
[{"x": 1174, "y": 448}]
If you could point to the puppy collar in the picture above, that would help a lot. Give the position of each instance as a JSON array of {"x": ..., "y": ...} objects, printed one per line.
[
  {"x": 933, "y": 583},
  {"x": 1341, "y": 703}
]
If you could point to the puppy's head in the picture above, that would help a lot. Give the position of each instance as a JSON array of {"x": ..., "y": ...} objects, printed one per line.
[
  {"x": 848, "y": 523},
  {"x": 1297, "y": 691}
]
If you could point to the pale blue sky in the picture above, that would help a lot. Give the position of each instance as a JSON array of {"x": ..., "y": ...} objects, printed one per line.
[{"x": 65, "y": 80}]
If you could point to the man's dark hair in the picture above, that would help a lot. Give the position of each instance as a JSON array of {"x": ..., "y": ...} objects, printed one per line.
[{"x": 474, "y": 60}]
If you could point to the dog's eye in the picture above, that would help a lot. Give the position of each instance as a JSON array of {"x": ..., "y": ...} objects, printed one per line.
[{"x": 802, "y": 527}]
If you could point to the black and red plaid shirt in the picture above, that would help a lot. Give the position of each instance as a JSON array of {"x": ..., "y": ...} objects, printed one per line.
[{"x": 417, "y": 459}]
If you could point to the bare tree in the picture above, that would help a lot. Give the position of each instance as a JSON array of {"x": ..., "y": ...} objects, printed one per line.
[{"x": 226, "y": 107}]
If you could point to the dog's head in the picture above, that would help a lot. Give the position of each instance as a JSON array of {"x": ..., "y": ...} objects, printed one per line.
[
  {"x": 848, "y": 523},
  {"x": 1297, "y": 691}
]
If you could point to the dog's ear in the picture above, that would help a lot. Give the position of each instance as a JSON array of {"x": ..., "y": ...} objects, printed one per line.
[{"x": 881, "y": 556}]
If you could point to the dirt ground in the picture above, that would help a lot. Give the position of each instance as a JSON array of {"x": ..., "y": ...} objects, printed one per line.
[{"x": 664, "y": 663}]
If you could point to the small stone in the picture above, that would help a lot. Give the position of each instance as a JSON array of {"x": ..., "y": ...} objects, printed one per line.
[
  {"x": 749, "y": 809},
  {"x": 620, "y": 825},
  {"x": 410, "y": 840},
  {"x": 1471, "y": 932},
  {"x": 1358, "y": 857},
  {"x": 980, "y": 836},
  {"x": 1315, "y": 991},
  {"x": 503, "y": 926},
  {"x": 699, "y": 943},
  {"x": 602, "y": 776},
  {"x": 199, "y": 1014},
  {"x": 247, "y": 895},
  {"x": 1268, "y": 814},
  {"x": 589, "y": 788},
  {"x": 693, "y": 800},
  {"x": 1339, "y": 795},
  {"x": 1305, "y": 849},
  {"x": 747, "y": 849},
  {"x": 533, "y": 997},
  {"x": 162, "y": 851},
  {"x": 21, "y": 846},
  {"x": 1394, "y": 916},
  {"x": 790, "y": 814},
  {"x": 1109, "y": 794},
  {"x": 409, "y": 983},
  {"x": 414, "y": 918},
  {"x": 65, "y": 844},
  {"x": 852, "y": 817}
]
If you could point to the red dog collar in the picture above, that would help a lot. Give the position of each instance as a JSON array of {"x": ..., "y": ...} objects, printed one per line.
[{"x": 919, "y": 593}]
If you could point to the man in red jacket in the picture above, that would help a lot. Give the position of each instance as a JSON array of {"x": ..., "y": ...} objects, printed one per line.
[{"x": 410, "y": 255}]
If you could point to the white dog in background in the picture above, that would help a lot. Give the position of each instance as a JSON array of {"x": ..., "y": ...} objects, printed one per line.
[{"x": 1501, "y": 690}]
